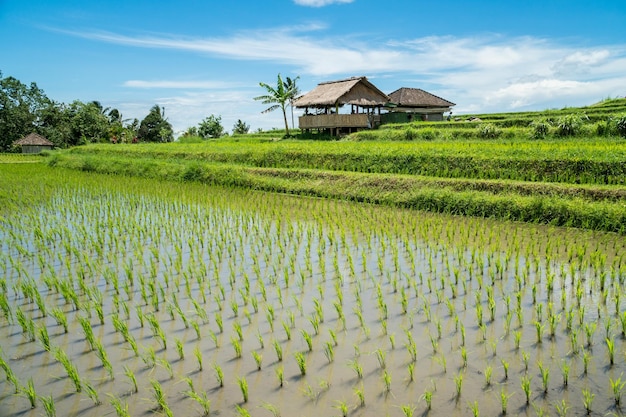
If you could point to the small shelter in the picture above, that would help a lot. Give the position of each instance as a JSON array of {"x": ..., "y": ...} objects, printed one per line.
[
  {"x": 322, "y": 105},
  {"x": 34, "y": 143},
  {"x": 408, "y": 104}
]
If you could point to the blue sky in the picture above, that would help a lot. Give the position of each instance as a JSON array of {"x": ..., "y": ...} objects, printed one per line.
[{"x": 198, "y": 58}]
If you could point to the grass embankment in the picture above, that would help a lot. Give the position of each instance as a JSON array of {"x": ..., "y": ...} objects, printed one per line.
[{"x": 574, "y": 182}]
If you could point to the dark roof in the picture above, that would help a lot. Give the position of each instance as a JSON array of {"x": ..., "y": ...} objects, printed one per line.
[
  {"x": 356, "y": 90},
  {"x": 33, "y": 140},
  {"x": 416, "y": 97}
]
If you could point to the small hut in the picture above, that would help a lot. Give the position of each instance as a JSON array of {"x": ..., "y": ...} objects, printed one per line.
[
  {"x": 322, "y": 106},
  {"x": 408, "y": 104},
  {"x": 34, "y": 143}
]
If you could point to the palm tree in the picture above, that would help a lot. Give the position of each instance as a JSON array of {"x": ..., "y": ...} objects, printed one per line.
[
  {"x": 290, "y": 84},
  {"x": 278, "y": 97}
]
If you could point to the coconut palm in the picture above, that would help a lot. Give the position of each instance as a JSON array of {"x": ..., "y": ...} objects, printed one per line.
[{"x": 279, "y": 96}]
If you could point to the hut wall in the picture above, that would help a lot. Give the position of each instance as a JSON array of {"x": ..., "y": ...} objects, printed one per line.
[
  {"x": 35, "y": 148},
  {"x": 328, "y": 121}
]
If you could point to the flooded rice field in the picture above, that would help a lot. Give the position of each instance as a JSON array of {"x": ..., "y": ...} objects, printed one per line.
[{"x": 128, "y": 297}]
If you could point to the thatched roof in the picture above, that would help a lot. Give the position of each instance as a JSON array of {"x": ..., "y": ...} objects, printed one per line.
[
  {"x": 33, "y": 140},
  {"x": 415, "y": 97},
  {"x": 356, "y": 90}
]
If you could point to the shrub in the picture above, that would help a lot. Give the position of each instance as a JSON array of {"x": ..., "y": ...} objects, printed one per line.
[
  {"x": 620, "y": 125},
  {"x": 540, "y": 129},
  {"x": 568, "y": 125},
  {"x": 410, "y": 134},
  {"x": 489, "y": 131},
  {"x": 428, "y": 134}
]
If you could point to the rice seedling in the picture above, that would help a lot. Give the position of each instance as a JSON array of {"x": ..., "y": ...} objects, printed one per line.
[
  {"x": 179, "y": 348},
  {"x": 525, "y": 359},
  {"x": 617, "y": 386},
  {"x": 387, "y": 380},
  {"x": 411, "y": 370},
  {"x": 360, "y": 395},
  {"x": 121, "y": 409},
  {"x": 561, "y": 408},
  {"x": 381, "y": 357},
  {"x": 342, "y": 406},
  {"x": 131, "y": 376},
  {"x": 329, "y": 352},
  {"x": 28, "y": 391},
  {"x": 167, "y": 365},
  {"x": 565, "y": 368},
  {"x": 44, "y": 338},
  {"x": 586, "y": 358},
  {"x": 91, "y": 392},
  {"x": 279, "y": 350},
  {"x": 219, "y": 374},
  {"x": 505, "y": 366},
  {"x": 488, "y": 374},
  {"x": 243, "y": 386},
  {"x": 610, "y": 346},
  {"x": 428, "y": 398},
  {"x": 159, "y": 397},
  {"x": 196, "y": 328},
  {"x": 504, "y": 400},
  {"x": 356, "y": 367},
  {"x": 287, "y": 329},
  {"x": 301, "y": 361},
  {"x": 280, "y": 375},
  {"x": 70, "y": 368},
  {"x": 104, "y": 358},
  {"x": 49, "y": 406},
  {"x": 545, "y": 376},
  {"x": 525, "y": 383},
  {"x": 198, "y": 354},
  {"x": 474, "y": 408},
  {"x": 307, "y": 338},
  {"x": 458, "y": 384},
  {"x": 588, "y": 397},
  {"x": 60, "y": 318},
  {"x": 236, "y": 344},
  {"x": 242, "y": 412},
  {"x": 258, "y": 359},
  {"x": 202, "y": 400},
  {"x": 149, "y": 358}
]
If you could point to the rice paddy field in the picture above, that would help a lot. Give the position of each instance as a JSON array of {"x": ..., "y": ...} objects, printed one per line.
[{"x": 136, "y": 296}]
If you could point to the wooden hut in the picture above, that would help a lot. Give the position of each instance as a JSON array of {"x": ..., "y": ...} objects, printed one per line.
[
  {"x": 34, "y": 143},
  {"x": 408, "y": 104},
  {"x": 322, "y": 106}
]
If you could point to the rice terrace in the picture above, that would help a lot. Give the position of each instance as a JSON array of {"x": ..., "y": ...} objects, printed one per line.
[{"x": 422, "y": 268}]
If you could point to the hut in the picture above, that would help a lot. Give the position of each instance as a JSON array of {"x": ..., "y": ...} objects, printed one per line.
[
  {"x": 408, "y": 104},
  {"x": 322, "y": 106},
  {"x": 34, "y": 143}
]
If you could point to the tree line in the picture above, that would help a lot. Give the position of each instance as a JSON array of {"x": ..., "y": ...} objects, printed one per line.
[{"x": 26, "y": 109}]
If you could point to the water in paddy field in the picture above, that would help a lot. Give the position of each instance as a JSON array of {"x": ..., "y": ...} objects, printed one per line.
[{"x": 400, "y": 308}]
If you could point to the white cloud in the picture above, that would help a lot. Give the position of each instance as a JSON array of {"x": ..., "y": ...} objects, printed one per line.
[
  {"x": 479, "y": 73},
  {"x": 320, "y": 3}
]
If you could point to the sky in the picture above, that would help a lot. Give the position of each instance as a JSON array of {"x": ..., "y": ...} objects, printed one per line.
[{"x": 198, "y": 58}]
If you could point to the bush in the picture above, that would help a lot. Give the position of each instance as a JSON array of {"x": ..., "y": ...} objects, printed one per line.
[
  {"x": 568, "y": 125},
  {"x": 428, "y": 134},
  {"x": 410, "y": 134},
  {"x": 489, "y": 131},
  {"x": 540, "y": 129},
  {"x": 620, "y": 125}
]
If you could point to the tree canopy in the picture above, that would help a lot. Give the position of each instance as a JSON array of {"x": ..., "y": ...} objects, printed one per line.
[
  {"x": 154, "y": 127},
  {"x": 279, "y": 96},
  {"x": 211, "y": 127}
]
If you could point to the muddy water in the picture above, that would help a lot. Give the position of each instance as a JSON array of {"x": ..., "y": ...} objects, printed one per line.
[{"x": 399, "y": 277}]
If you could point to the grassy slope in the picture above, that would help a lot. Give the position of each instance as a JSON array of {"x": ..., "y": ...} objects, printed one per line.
[{"x": 578, "y": 182}]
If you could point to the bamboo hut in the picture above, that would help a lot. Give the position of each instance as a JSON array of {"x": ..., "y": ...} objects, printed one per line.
[
  {"x": 34, "y": 143},
  {"x": 408, "y": 104},
  {"x": 322, "y": 106}
]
